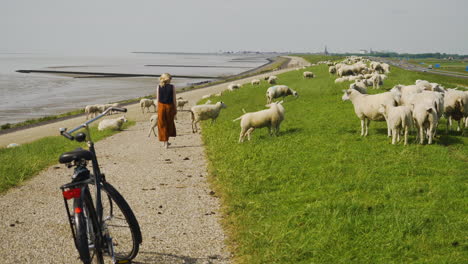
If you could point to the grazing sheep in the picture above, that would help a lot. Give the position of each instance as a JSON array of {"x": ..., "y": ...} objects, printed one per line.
[
  {"x": 398, "y": 118},
  {"x": 255, "y": 82},
  {"x": 181, "y": 103},
  {"x": 153, "y": 123},
  {"x": 233, "y": 86},
  {"x": 270, "y": 118},
  {"x": 308, "y": 74},
  {"x": 341, "y": 79},
  {"x": 376, "y": 80},
  {"x": 272, "y": 79},
  {"x": 146, "y": 103},
  {"x": 113, "y": 124},
  {"x": 367, "y": 106},
  {"x": 279, "y": 91},
  {"x": 332, "y": 69},
  {"x": 92, "y": 110},
  {"x": 359, "y": 86},
  {"x": 204, "y": 112}
]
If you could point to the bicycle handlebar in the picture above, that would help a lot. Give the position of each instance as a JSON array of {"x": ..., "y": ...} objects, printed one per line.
[{"x": 63, "y": 131}]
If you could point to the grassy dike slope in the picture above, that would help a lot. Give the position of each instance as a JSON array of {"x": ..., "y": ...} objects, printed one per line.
[{"x": 320, "y": 193}]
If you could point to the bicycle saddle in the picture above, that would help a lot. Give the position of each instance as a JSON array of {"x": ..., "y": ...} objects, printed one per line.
[{"x": 77, "y": 154}]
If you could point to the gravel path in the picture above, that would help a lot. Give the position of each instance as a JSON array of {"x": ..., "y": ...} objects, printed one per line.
[{"x": 167, "y": 190}]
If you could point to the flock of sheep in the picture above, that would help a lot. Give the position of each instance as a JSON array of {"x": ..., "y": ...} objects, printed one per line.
[{"x": 422, "y": 104}]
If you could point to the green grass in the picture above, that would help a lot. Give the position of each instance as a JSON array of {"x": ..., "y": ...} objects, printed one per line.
[
  {"x": 320, "y": 193},
  {"x": 445, "y": 65},
  {"x": 21, "y": 163}
]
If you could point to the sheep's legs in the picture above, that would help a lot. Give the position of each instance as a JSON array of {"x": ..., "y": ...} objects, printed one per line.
[
  {"x": 194, "y": 127},
  {"x": 366, "y": 126},
  {"x": 431, "y": 128},
  {"x": 394, "y": 135},
  {"x": 242, "y": 135},
  {"x": 249, "y": 132},
  {"x": 362, "y": 127},
  {"x": 406, "y": 135}
]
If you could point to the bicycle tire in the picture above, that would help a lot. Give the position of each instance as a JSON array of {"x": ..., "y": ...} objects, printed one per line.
[
  {"x": 81, "y": 237},
  {"x": 121, "y": 223},
  {"x": 97, "y": 253}
]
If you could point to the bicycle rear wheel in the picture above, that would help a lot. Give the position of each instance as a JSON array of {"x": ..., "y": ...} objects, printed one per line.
[
  {"x": 121, "y": 224},
  {"x": 86, "y": 223}
]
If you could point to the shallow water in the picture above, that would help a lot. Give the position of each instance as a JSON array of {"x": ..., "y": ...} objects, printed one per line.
[{"x": 33, "y": 95}]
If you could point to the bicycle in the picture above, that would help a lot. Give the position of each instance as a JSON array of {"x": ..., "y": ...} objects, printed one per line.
[{"x": 105, "y": 226}]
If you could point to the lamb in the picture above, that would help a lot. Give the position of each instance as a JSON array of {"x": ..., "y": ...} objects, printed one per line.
[
  {"x": 272, "y": 79},
  {"x": 279, "y": 91},
  {"x": 92, "y": 110},
  {"x": 204, "y": 112},
  {"x": 113, "y": 124},
  {"x": 398, "y": 118},
  {"x": 308, "y": 74},
  {"x": 367, "y": 106},
  {"x": 270, "y": 118},
  {"x": 359, "y": 86},
  {"x": 153, "y": 123},
  {"x": 255, "y": 82},
  {"x": 146, "y": 103},
  {"x": 181, "y": 103}
]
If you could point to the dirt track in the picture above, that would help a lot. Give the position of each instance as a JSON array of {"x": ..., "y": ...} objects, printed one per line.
[{"x": 167, "y": 189}]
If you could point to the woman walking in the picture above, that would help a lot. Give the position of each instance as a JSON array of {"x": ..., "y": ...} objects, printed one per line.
[{"x": 167, "y": 109}]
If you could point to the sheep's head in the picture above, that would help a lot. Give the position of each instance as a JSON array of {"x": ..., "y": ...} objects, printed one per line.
[
  {"x": 346, "y": 94},
  {"x": 222, "y": 104}
]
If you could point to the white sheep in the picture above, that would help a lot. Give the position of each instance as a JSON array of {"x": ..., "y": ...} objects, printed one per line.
[
  {"x": 270, "y": 118},
  {"x": 255, "y": 82},
  {"x": 92, "y": 110},
  {"x": 233, "y": 86},
  {"x": 153, "y": 123},
  {"x": 332, "y": 69},
  {"x": 367, "y": 106},
  {"x": 272, "y": 79},
  {"x": 426, "y": 120},
  {"x": 398, "y": 118},
  {"x": 146, "y": 103},
  {"x": 308, "y": 74},
  {"x": 204, "y": 112},
  {"x": 376, "y": 80},
  {"x": 113, "y": 124},
  {"x": 455, "y": 107},
  {"x": 279, "y": 91},
  {"x": 407, "y": 92},
  {"x": 181, "y": 103}
]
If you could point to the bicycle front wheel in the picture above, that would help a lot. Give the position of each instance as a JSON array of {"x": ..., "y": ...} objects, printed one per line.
[{"x": 121, "y": 224}]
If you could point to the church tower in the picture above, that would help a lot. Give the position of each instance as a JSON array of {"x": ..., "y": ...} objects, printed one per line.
[{"x": 326, "y": 51}]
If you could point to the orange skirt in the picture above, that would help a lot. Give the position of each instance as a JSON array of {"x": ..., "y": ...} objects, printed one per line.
[{"x": 166, "y": 125}]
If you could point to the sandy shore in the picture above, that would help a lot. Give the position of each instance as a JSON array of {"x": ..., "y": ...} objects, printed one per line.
[{"x": 167, "y": 189}]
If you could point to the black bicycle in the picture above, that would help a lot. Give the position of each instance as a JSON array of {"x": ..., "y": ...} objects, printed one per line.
[{"x": 101, "y": 221}]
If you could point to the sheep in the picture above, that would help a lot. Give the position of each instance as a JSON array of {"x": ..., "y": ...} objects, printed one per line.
[
  {"x": 430, "y": 86},
  {"x": 332, "y": 69},
  {"x": 385, "y": 67},
  {"x": 113, "y": 124},
  {"x": 367, "y": 106},
  {"x": 376, "y": 80},
  {"x": 455, "y": 107},
  {"x": 255, "y": 82},
  {"x": 426, "y": 120},
  {"x": 341, "y": 79},
  {"x": 204, "y": 112},
  {"x": 181, "y": 103},
  {"x": 272, "y": 79},
  {"x": 398, "y": 118},
  {"x": 146, "y": 103},
  {"x": 308, "y": 74},
  {"x": 93, "y": 110},
  {"x": 233, "y": 86},
  {"x": 359, "y": 86},
  {"x": 279, "y": 91},
  {"x": 153, "y": 123},
  {"x": 270, "y": 118},
  {"x": 407, "y": 92}
]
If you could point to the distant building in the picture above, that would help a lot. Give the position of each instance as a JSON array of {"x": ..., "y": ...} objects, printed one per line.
[
  {"x": 363, "y": 51},
  {"x": 326, "y": 51}
]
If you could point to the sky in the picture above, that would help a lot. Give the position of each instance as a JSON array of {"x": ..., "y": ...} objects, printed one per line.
[{"x": 122, "y": 26}]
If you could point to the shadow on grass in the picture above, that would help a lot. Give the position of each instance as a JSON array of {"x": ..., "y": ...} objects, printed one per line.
[
  {"x": 154, "y": 257},
  {"x": 447, "y": 140}
]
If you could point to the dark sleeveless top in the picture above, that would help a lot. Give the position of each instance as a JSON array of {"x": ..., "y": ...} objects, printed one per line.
[{"x": 166, "y": 94}]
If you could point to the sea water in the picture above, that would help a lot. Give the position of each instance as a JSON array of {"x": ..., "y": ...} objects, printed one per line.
[{"x": 32, "y": 95}]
